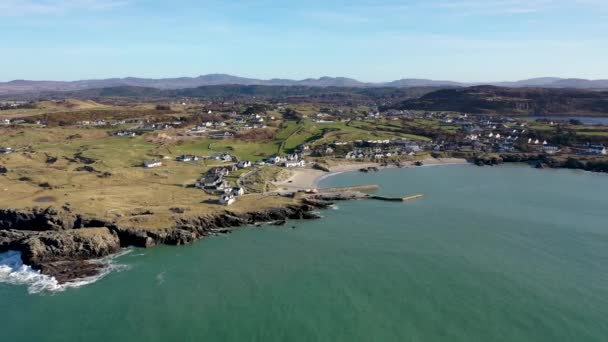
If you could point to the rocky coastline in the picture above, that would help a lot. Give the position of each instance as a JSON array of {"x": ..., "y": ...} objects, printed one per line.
[
  {"x": 63, "y": 244},
  {"x": 586, "y": 163}
]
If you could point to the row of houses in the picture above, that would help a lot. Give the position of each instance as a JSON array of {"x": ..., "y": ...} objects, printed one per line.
[
  {"x": 214, "y": 179},
  {"x": 125, "y": 134},
  {"x": 290, "y": 161}
]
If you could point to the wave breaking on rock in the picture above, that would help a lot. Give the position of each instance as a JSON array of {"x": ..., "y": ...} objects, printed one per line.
[{"x": 14, "y": 272}]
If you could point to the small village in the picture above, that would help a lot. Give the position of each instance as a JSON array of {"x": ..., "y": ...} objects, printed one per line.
[{"x": 233, "y": 137}]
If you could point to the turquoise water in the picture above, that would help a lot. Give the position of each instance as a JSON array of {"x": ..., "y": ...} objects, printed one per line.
[{"x": 490, "y": 254}]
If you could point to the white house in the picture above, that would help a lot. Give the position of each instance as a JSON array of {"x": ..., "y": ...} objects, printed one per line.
[
  {"x": 597, "y": 149},
  {"x": 187, "y": 158},
  {"x": 293, "y": 157},
  {"x": 227, "y": 199},
  {"x": 276, "y": 160},
  {"x": 125, "y": 134},
  {"x": 243, "y": 164},
  {"x": 222, "y": 156},
  {"x": 152, "y": 163},
  {"x": 237, "y": 191},
  {"x": 295, "y": 163}
]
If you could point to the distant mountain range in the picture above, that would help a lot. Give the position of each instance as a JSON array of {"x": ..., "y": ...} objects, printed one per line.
[{"x": 23, "y": 86}]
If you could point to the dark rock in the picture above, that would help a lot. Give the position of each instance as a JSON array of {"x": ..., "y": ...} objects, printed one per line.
[
  {"x": 51, "y": 159},
  {"x": 86, "y": 168},
  {"x": 85, "y": 160},
  {"x": 68, "y": 245},
  {"x": 37, "y": 219},
  {"x": 65, "y": 271},
  {"x": 12, "y": 239}
]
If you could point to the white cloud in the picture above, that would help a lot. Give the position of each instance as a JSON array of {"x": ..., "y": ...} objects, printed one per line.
[{"x": 54, "y": 7}]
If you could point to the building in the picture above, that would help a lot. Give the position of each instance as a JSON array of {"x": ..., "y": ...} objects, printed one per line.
[
  {"x": 227, "y": 199},
  {"x": 125, "y": 134},
  {"x": 237, "y": 191},
  {"x": 152, "y": 163},
  {"x": 412, "y": 147},
  {"x": 212, "y": 182},
  {"x": 294, "y": 163},
  {"x": 187, "y": 158},
  {"x": 222, "y": 156},
  {"x": 597, "y": 150},
  {"x": 243, "y": 164},
  {"x": 276, "y": 160}
]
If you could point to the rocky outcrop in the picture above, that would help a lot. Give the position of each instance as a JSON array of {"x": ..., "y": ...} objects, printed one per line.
[
  {"x": 65, "y": 271},
  {"x": 580, "y": 162},
  {"x": 61, "y": 243},
  {"x": 38, "y": 219},
  {"x": 78, "y": 244},
  {"x": 488, "y": 160},
  {"x": 43, "y": 219},
  {"x": 63, "y": 254},
  {"x": 188, "y": 229}
]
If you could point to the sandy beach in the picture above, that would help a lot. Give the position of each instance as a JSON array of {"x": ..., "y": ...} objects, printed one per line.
[{"x": 308, "y": 178}]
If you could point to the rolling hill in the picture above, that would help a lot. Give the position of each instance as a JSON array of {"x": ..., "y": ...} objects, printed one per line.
[{"x": 512, "y": 101}]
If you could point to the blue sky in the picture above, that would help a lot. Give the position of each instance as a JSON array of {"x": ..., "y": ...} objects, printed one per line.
[{"x": 463, "y": 40}]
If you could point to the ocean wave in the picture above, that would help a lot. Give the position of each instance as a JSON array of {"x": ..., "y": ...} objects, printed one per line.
[{"x": 14, "y": 272}]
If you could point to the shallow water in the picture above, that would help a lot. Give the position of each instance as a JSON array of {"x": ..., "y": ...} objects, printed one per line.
[{"x": 490, "y": 254}]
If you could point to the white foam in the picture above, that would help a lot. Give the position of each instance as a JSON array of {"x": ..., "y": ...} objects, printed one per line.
[{"x": 14, "y": 272}]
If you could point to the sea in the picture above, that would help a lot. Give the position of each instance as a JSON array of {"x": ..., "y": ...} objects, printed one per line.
[{"x": 507, "y": 253}]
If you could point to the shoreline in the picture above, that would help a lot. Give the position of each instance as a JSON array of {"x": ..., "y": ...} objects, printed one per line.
[{"x": 308, "y": 178}]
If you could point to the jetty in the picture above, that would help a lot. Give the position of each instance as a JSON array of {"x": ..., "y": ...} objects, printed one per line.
[
  {"x": 397, "y": 199},
  {"x": 358, "y": 195}
]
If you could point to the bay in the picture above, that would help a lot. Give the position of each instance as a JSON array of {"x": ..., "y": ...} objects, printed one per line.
[{"x": 508, "y": 253}]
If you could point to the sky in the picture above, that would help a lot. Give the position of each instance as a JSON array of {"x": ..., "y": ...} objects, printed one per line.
[{"x": 460, "y": 40}]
